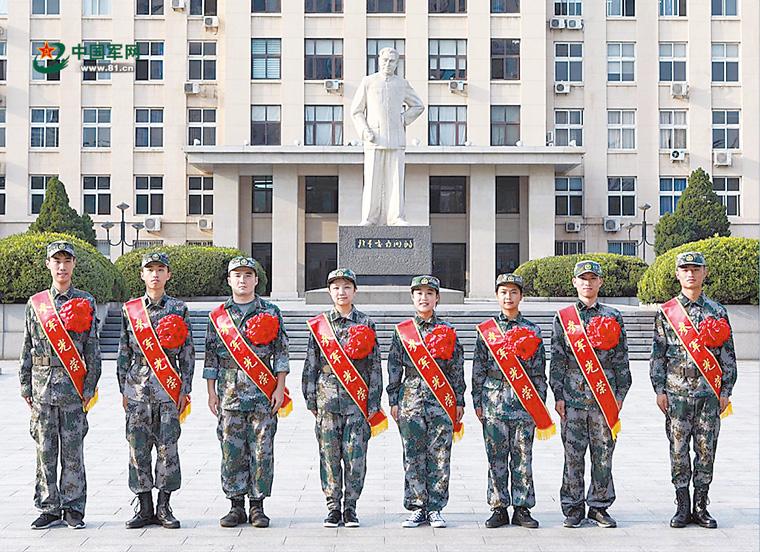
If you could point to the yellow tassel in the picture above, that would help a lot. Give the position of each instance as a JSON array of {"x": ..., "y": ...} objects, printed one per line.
[
  {"x": 284, "y": 411},
  {"x": 92, "y": 401},
  {"x": 186, "y": 412},
  {"x": 727, "y": 412},
  {"x": 377, "y": 429},
  {"x": 615, "y": 430},
  {"x": 544, "y": 434},
  {"x": 459, "y": 434}
]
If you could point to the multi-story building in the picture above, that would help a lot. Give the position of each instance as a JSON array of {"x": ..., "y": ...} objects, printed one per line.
[{"x": 548, "y": 123}]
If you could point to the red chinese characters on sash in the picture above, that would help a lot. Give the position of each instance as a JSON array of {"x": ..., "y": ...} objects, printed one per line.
[{"x": 590, "y": 367}]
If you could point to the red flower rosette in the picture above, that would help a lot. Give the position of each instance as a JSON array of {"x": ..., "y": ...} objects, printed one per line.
[
  {"x": 76, "y": 315},
  {"x": 172, "y": 331},
  {"x": 603, "y": 332},
  {"x": 262, "y": 328},
  {"x": 361, "y": 341},
  {"x": 714, "y": 332},
  {"x": 522, "y": 341},
  {"x": 441, "y": 342}
]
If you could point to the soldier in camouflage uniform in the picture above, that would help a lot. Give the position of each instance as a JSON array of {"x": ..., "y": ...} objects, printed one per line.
[
  {"x": 152, "y": 418},
  {"x": 59, "y": 421},
  {"x": 583, "y": 423},
  {"x": 247, "y": 420},
  {"x": 425, "y": 427},
  {"x": 508, "y": 429},
  {"x": 341, "y": 428},
  {"x": 692, "y": 410}
]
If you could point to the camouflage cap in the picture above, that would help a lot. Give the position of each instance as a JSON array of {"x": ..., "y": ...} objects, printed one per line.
[
  {"x": 509, "y": 279},
  {"x": 690, "y": 258},
  {"x": 345, "y": 273},
  {"x": 158, "y": 257},
  {"x": 587, "y": 266},
  {"x": 60, "y": 247},
  {"x": 430, "y": 281},
  {"x": 241, "y": 262}
]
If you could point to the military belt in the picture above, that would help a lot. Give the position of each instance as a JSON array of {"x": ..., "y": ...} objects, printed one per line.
[
  {"x": 496, "y": 374},
  {"x": 685, "y": 370},
  {"x": 46, "y": 361}
]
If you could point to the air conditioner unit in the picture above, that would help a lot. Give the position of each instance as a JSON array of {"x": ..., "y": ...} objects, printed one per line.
[
  {"x": 153, "y": 224},
  {"x": 550, "y": 138},
  {"x": 178, "y": 4},
  {"x": 192, "y": 88},
  {"x": 572, "y": 227},
  {"x": 679, "y": 89},
  {"x": 722, "y": 159},
  {"x": 2, "y": 101},
  {"x": 2, "y": 32},
  {"x": 205, "y": 223},
  {"x": 611, "y": 225},
  {"x": 211, "y": 21},
  {"x": 334, "y": 85},
  {"x": 574, "y": 23},
  {"x": 457, "y": 86},
  {"x": 561, "y": 88},
  {"x": 556, "y": 23},
  {"x": 678, "y": 155}
]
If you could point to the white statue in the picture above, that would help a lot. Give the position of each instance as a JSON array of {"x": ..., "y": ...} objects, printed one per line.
[{"x": 382, "y": 108}]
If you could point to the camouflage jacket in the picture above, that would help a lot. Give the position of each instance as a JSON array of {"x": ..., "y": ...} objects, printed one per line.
[
  {"x": 490, "y": 390},
  {"x": 235, "y": 389},
  {"x": 323, "y": 391},
  {"x": 400, "y": 366},
  {"x": 136, "y": 379},
  {"x": 565, "y": 377},
  {"x": 51, "y": 384},
  {"x": 670, "y": 367}
]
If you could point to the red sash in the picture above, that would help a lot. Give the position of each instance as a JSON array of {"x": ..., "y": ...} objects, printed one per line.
[
  {"x": 430, "y": 372},
  {"x": 154, "y": 354},
  {"x": 700, "y": 355},
  {"x": 245, "y": 358},
  {"x": 590, "y": 366},
  {"x": 62, "y": 344},
  {"x": 345, "y": 371},
  {"x": 518, "y": 378}
]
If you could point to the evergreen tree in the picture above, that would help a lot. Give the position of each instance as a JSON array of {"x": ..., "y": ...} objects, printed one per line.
[{"x": 56, "y": 215}]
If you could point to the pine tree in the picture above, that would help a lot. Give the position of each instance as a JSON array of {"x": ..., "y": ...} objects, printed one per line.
[{"x": 56, "y": 215}]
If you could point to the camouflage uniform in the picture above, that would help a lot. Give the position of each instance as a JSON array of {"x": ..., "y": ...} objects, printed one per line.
[
  {"x": 246, "y": 425},
  {"x": 341, "y": 429},
  {"x": 152, "y": 418},
  {"x": 425, "y": 427},
  {"x": 508, "y": 429}
]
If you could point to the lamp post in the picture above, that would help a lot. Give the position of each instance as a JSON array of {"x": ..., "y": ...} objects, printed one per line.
[
  {"x": 644, "y": 242},
  {"x": 122, "y": 230}
]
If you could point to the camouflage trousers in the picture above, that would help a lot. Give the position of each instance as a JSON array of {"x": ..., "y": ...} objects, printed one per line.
[
  {"x": 342, "y": 457},
  {"x": 59, "y": 431},
  {"x": 247, "y": 440},
  {"x": 581, "y": 430},
  {"x": 509, "y": 447},
  {"x": 692, "y": 421},
  {"x": 149, "y": 425}
]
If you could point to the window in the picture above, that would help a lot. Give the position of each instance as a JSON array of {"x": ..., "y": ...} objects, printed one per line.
[
  {"x": 265, "y": 6},
  {"x": 150, "y": 7},
  {"x": 507, "y": 195},
  {"x": 45, "y": 127},
  {"x": 672, "y": 62},
  {"x": 96, "y": 8},
  {"x": 2, "y": 128},
  {"x": 324, "y": 59},
  {"x": 447, "y": 125},
  {"x": 569, "y": 247},
  {"x": 568, "y": 127},
  {"x": 320, "y": 259},
  {"x": 149, "y": 195},
  {"x": 450, "y": 264},
  {"x": 447, "y": 6},
  {"x": 505, "y": 6},
  {"x": 568, "y": 7},
  {"x": 725, "y": 62},
  {"x": 323, "y": 125},
  {"x": 725, "y": 129},
  {"x": 201, "y": 60},
  {"x": 150, "y": 65},
  {"x": 2, "y": 194},
  {"x": 568, "y": 61},
  {"x": 265, "y": 58},
  {"x": 621, "y": 196},
  {"x": 505, "y": 125},
  {"x": 374, "y": 45},
  {"x": 96, "y": 191},
  {"x": 507, "y": 257},
  {"x": 670, "y": 192},
  {"x": 3, "y": 60},
  {"x": 265, "y": 125},
  {"x": 262, "y": 194},
  {"x": 46, "y": 7},
  {"x": 149, "y": 128},
  {"x": 262, "y": 252},
  {"x": 96, "y": 127},
  {"x": 672, "y": 129},
  {"x": 505, "y": 59},
  {"x": 725, "y": 8},
  {"x": 202, "y": 7},
  {"x": 385, "y": 6},
  {"x": 568, "y": 196},
  {"x": 324, "y": 6},
  {"x": 38, "y": 76},
  {"x": 37, "y": 187},
  {"x": 448, "y": 194},
  {"x": 321, "y": 194},
  {"x": 201, "y": 127},
  {"x": 621, "y": 8},
  {"x": 672, "y": 8},
  {"x": 201, "y": 195},
  {"x": 97, "y": 55},
  {"x": 3, "y": 7},
  {"x": 622, "y": 247},
  {"x": 447, "y": 59},
  {"x": 621, "y": 61},
  {"x": 727, "y": 188},
  {"x": 621, "y": 129}
]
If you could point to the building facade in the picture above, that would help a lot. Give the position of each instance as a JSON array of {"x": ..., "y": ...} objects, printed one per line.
[{"x": 548, "y": 124}]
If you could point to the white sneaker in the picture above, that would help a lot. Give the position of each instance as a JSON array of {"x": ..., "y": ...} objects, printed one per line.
[
  {"x": 415, "y": 519},
  {"x": 436, "y": 519}
]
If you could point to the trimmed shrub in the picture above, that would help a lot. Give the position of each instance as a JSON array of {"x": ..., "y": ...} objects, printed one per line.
[
  {"x": 56, "y": 215},
  {"x": 197, "y": 271},
  {"x": 552, "y": 276},
  {"x": 22, "y": 257},
  {"x": 732, "y": 272}
]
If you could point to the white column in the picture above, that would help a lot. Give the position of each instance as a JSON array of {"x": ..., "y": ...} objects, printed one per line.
[
  {"x": 286, "y": 225},
  {"x": 227, "y": 206},
  {"x": 534, "y": 53},
  {"x": 482, "y": 240},
  {"x": 541, "y": 212}
]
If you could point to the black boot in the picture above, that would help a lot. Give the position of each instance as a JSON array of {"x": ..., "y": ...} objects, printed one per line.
[
  {"x": 257, "y": 517},
  {"x": 499, "y": 518},
  {"x": 523, "y": 518},
  {"x": 682, "y": 517},
  {"x": 236, "y": 515},
  {"x": 164, "y": 514},
  {"x": 143, "y": 511},
  {"x": 700, "y": 515}
]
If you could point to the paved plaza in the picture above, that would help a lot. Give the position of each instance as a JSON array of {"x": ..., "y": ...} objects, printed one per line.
[{"x": 642, "y": 480}]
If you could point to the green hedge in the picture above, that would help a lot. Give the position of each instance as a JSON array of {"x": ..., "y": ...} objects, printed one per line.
[
  {"x": 552, "y": 276},
  {"x": 22, "y": 257},
  {"x": 732, "y": 271},
  {"x": 197, "y": 271}
]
